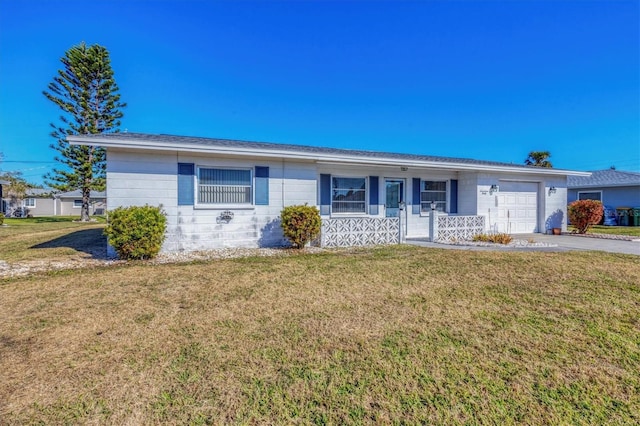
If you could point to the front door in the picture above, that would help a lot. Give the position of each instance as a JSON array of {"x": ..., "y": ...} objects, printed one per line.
[{"x": 394, "y": 189}]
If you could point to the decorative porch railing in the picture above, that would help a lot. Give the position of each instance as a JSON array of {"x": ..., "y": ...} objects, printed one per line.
[
  {"x": 454, "y": 228},
  {"x": 361, "y": 231}
]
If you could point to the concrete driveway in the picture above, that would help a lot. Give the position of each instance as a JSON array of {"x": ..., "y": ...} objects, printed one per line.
[{"x": 564, "y": 243}]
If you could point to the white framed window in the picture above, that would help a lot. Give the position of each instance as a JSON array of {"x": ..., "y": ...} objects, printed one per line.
[
  {"x": 348, "y": 195},
  {"x": 433, "y": 191},
  {"x": 219, "y": 186},
  {"x": 77, "y": 204},
  {"x": 29, "y": 202},
  {"x": 590, "y": 195}
]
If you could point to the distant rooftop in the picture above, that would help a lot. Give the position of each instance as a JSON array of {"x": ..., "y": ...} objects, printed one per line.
[
  {"x": 78, "y": 194},
  {"x": 37, "y": 192},
  {"x": 604, "y": 178}
]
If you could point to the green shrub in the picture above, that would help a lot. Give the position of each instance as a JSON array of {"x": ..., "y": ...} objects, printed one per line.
[
  {"x": 1, "y": 219},
  {"x": 300, "y": 224},
  {"x": 584, "y": 213},
  {"x": 136, "y": 232},
  {"x": 493, "y": 238}
]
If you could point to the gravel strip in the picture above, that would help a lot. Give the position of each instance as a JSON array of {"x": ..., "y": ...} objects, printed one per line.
[
  {"x": 512, "y": 244},
  {"x": 19, "y": 269}
]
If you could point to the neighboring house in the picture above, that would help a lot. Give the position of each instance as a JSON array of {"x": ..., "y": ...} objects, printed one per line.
[
  {"x": 612, "y": 187},
  {"x": 41, "y": 202},
  {"x": 70, "y": 203},
  {"x": 2, "y": 202},
  {"x": 37, "y": 202},
  {"x": 225, "y": 193}
]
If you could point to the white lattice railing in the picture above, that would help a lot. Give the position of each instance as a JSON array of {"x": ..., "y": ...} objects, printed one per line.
[
  {"x": 452, "y": 228},
  {"x": 361, "y": 231}
]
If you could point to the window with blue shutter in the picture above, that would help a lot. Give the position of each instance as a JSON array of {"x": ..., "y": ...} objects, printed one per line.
[
  {"x": 415, "y": 199},
  {"x": 262, "y": 186},
  {"x": 433, "y": 191},
  {"x": 185, "y": 184},
  {"x": 224, "y": 186},
  {"x": 373, "y": 195},
  {"x": 453, "y": 196},
  {"x": 325, "y": 194}
]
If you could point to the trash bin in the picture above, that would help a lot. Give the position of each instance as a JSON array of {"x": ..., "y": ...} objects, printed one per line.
[
  {"x": 623, "y": 214},
  {"x": 635, "y": 215},
  {"x": 610, "y": 218}
]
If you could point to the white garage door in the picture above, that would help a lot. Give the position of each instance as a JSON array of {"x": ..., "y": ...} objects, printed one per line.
[{"x": 517, "y": 205}]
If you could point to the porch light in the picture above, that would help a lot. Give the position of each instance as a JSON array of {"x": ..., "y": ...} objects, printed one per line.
[
  {"x": 552, "y": 190},
  {"x": 434, "y": 205},
  {"x": 494, "y": 188}
]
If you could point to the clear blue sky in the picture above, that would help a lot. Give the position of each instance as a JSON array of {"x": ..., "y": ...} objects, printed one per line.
[{"x": 480, "y": 79}]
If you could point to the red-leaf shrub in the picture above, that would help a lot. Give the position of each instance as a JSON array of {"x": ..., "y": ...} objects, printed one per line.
[
  {"x": 584, "y": 213},
  {"x": 300, "y": 224}
]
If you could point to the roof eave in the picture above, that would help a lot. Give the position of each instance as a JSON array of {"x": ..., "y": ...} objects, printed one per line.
[
  {"x": 612, "y": 185},
  {"x": 317, "y": 157}
]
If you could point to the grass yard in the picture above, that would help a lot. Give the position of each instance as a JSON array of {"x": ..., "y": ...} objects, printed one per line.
[
  {"x": 51, "y": 238},
  {"x": 633, "y": 231},
  {"x": 398, "y": 335}
]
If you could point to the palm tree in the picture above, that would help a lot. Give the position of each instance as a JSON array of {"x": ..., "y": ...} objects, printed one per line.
[{"x": 538, "y": 159}]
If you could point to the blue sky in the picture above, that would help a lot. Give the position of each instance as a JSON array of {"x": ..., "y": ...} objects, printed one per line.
[{"x": 479, "y": 79}]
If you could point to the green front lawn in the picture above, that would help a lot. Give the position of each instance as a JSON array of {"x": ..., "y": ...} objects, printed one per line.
[
  {"x": 633, "y": 231},
  {"x": 49, "y": 238},
  {"x": 391, "y": 335}
]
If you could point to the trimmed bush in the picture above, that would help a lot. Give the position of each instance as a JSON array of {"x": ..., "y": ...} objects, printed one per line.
[
  {"x": 499, "y": 238},
  {"x": 1, "y": 219},
  {"x": 584, "y": 213},
  {"x": 300, "y": 224},
  {"x": 136, "y": 232}
]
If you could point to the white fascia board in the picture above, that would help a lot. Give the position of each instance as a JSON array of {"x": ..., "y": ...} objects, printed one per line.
[{"x": 335, "y": 159}]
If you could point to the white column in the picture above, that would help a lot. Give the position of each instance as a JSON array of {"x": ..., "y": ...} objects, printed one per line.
[{"x": 433, "y": 226}]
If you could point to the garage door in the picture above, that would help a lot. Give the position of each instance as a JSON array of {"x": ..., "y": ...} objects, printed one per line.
[{"x": 517, "y": 205}]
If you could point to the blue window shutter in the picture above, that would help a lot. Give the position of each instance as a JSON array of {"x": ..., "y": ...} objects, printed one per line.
[
  {"x": 185, "y": 184},
  {"x": 453, "y": 198},
  {"x": 373, "y": 195},
  {"x": 415, "y": 199},
  {"x": 325, "y": 194},
  {"x": 262, "y": 186}
]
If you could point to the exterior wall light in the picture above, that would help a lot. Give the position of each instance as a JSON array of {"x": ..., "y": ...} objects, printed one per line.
[
  {"x": 434, "y": 205},
  {"x": 552, "y": 190},
  {"x": 494, "y": 188}
]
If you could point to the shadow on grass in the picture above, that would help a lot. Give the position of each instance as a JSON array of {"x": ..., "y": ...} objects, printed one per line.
[
  {"x": 50, "y": 219},
  {"x": 90, "y": 241}
]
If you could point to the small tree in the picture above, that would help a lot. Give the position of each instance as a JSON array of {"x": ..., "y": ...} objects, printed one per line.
[
  {"x": 300, "y": 224},
  {"x": 87, "y": 94},
  {"x": 136, "y": 232},
  {"x": 584, "y": 213},
  {"x": 538, "y": 159},
  {"x": 16, "y": 190}
]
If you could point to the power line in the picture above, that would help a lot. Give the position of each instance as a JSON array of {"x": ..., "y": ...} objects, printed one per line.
[{"x": 28, "y": 162}]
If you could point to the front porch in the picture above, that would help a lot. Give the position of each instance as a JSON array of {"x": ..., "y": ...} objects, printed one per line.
[{"x": 364, "y": 231}]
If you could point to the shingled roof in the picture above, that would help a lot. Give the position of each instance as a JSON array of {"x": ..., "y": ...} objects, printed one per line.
[
  {"x": 303, "y": 152},
  {"x": 604, "y": 178},
  {"x": 213, "y": 143},
  {"x": 78, "y": 194}
]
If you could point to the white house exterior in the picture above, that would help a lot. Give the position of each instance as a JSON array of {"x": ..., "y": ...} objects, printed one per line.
[{"x": 224, "y": 193}]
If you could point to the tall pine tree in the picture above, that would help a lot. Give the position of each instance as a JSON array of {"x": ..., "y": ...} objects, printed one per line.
[{"x": 87, "y": 94}]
